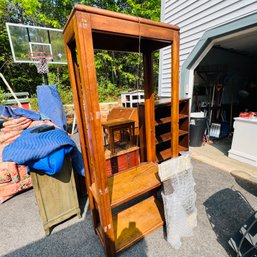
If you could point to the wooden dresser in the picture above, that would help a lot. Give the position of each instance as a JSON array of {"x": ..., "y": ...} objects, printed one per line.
[{"x": 56, "y": 195}]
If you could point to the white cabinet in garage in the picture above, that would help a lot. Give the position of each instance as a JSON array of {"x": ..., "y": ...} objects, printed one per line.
[{"x": 244, "y": 144}]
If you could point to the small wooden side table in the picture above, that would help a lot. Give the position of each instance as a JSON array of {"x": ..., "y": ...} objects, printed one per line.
[{"x": 118, "y": 124}]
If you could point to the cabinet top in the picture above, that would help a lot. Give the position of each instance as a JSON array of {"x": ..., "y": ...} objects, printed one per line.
[
  {"x": 107, "y": 13},
  {"x": 246, "y": 120},
  {"x": 119, "y": 32},
  {"x": 166, "y": 101}
]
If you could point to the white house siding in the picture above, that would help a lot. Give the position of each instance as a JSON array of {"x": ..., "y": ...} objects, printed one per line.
[{"x": 194, "y": 17}]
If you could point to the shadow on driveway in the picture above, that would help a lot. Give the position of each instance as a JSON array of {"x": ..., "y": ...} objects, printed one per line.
[{"x": 227, "y": 210}]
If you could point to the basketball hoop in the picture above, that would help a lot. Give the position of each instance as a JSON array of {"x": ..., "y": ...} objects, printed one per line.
[{"x": 41, "y": 59}]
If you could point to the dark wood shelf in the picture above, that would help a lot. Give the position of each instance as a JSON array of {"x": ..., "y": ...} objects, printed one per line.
[
  {"x": 162, "y": 137},
  {"x": 127, "y": 185},
  {"x": 183, "y": 116},
  {"x": 163, "y": 147},
  {"x": 162, "y": 121},
  {"x": 163, "y": 133},
  {"x": 182, "y": 132},
  {"x": 163, "y": 150},
  {"x": 182, "y": 148},
  {"x": 166, "y": 120},
  {"x": 166, "y": 153},
  {"x": 167, "y": 136}
]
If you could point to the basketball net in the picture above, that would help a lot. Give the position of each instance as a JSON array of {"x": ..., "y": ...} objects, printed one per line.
[{"x": 41, "y": 59}]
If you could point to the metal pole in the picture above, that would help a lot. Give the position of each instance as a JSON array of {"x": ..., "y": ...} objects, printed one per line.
[
  {"x": 10, "y": 89},
  {"x": 45, "y": 78}
]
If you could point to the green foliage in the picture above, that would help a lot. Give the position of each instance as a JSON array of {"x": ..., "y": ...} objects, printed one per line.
[
  {"x": 65, "y": 94},
  {"x": 146, "y": 9},
  {"x": 124, "y": 71},
  {"x": 106, "y": 92},
  {"x": 1, "y": 96},
  {"x": 33, "y": 103},
  {"x": 29, "y": 7},
  {"x": 116, "y": 72}
]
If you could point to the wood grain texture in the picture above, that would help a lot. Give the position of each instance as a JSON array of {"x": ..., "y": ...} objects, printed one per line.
[
  {"x": 80, "y": 115},
  {"x": 149, "y": 107},
  {"x": 130, "y": 226},
  {"x": 84, "y": 42},
  {"x": 131, "y": 183},
  {"x": 120, "y": 16},
  {"x": 136, "y": 222},
  {"x": 56, "y": 195},
  {"x": 175, "y": 97},
  {"x": 122, "y": 161}
]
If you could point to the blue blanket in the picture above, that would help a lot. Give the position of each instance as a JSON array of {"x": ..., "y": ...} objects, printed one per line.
[
  {"x": 50, "y": 104},
  {"x": 17, "y": 112},
  {"x": 44, "y": 151}
]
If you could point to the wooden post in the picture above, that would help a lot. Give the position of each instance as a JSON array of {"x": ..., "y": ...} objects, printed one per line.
[
  {"x": 76, "y": 91},
  {"x": 175, "y": 96},
  {"x": 149, "y": 107},
  {"x": 167, "y": 185},
  {"x": 83, "y": 36}
]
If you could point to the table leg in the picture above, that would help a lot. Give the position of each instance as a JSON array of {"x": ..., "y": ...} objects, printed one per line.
[
  {"x": 111, "y": 136},
  {"x": 105, "y": 136},
  {"x": 131, "y": 132}
]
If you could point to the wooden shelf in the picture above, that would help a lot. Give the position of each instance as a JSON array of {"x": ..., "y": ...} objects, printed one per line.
[
  {"x": 131, "y": 225},
  {"x": 183, "y": 116},
  {"x": 167, "y": 136},
  {"x": 163, "y": 133},
  {"x": 182, "y": 132},
  {"x": 166, "y": 154},
  {"x": 131, "y": 183},
  {"x": 162, "y": 137},
  {"x": 166, "y": 120},
  {"x": 182, "y": 148},
  {"x": 161, "y": 121}
]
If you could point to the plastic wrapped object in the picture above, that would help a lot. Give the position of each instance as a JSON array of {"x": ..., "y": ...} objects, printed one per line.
[{"x": 179, "y": 206}]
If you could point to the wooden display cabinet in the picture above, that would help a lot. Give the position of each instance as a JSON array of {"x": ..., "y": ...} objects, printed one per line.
[{"x": 86, "y": 30}]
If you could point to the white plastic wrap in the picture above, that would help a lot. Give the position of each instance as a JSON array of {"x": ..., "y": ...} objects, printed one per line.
[{"x": 179, "y": 207}]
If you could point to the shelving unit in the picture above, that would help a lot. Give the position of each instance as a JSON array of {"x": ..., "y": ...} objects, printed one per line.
[
  {"x": 163, "y": 126},
  {"x": 124, "y": 206},
  {"x": 132, "y": 98}
]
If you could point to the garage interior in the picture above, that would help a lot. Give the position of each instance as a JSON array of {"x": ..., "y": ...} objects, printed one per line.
[{"x": 225, "y": 85}]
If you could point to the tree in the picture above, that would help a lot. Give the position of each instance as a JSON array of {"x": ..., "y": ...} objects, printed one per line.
[
  {"x": 24, "y": 77},
  {"x": 115, "y": 71},
  {"x": 17, "y": 75},
  {"x": 118, "y": 71}
]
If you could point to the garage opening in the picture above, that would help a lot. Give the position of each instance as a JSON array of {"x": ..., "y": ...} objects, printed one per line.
[{"x": 225, "y": 85}]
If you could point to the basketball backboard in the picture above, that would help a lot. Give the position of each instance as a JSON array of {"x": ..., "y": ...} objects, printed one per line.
[{"x": 25, "y": 40}]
